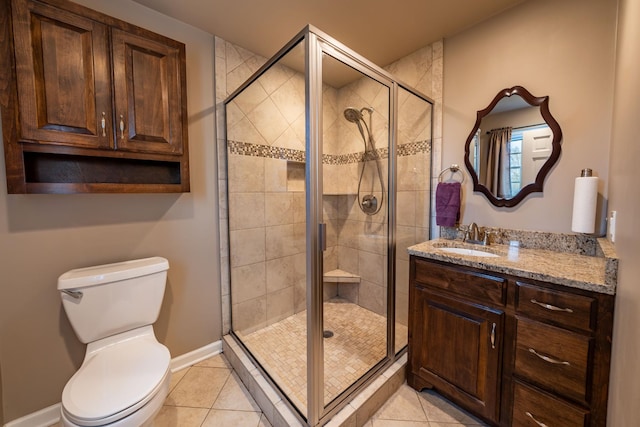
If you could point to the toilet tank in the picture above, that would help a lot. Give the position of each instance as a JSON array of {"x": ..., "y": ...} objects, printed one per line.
[{"x": 108, "y": 299}]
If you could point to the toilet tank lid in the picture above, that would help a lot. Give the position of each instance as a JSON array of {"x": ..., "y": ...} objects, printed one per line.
[{"x": 96, "y": 275}]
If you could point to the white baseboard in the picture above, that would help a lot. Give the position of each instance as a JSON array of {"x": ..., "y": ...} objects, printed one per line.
[
  {"x": 42, "y": 418},
  {"x": 195, "y": 356},
  {"x": 51, "y": 415}
]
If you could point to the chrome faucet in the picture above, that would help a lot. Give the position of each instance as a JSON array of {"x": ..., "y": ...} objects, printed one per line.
[{"x": 472, "y": 234}]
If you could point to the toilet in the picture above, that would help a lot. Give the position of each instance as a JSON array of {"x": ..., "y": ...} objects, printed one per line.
[{"x": 124, "y": 378}]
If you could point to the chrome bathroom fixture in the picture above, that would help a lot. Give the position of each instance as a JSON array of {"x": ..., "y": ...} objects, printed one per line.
[{"x": 369, "y": 202}]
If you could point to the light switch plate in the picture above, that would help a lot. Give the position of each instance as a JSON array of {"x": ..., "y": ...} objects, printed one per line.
[{"x": 612, "y": 226}]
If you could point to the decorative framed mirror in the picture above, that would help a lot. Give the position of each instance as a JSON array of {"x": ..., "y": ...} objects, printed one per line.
[{"x": 512, "y": 147}]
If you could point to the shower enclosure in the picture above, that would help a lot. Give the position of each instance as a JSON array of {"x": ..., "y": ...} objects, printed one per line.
[{"x": 328, "y": 163}]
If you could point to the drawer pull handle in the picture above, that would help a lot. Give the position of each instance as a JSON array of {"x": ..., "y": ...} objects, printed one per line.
[
  {"x": 549, "y": 359},
  {"x": 493, "y": 336},
  {"x": 551, "y": 307},
  {"x": 541, "y": 424}
]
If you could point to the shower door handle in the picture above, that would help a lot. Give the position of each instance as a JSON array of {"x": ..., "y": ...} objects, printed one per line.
[{"x": 322, "y": 235}]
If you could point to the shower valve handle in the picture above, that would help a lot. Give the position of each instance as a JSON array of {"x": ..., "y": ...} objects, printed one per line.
[{"x": 369, "y": 204}]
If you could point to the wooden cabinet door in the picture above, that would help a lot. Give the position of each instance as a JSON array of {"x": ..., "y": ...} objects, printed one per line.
[
  {"x": 149, "y": 103},
  {"x": 458, "y": 350},
  {"x": 63, "y": 75}
]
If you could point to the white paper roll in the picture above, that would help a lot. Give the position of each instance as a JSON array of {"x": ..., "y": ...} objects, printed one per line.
[{"x": 585, "y": 197}]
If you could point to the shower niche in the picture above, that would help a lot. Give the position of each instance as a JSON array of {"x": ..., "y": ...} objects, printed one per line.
[{"x": 325, "y": 151}]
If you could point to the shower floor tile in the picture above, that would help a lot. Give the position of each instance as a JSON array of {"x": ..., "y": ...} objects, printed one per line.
[{"x": 358, "y": 343}]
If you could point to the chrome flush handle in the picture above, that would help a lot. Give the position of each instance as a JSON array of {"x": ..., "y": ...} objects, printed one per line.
[{"x": 73, "y": 294}]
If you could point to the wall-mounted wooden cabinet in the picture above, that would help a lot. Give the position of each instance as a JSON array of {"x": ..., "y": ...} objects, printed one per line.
[
  {"x": 514, "y": 352},
  {"x": 90, "y": 103}
]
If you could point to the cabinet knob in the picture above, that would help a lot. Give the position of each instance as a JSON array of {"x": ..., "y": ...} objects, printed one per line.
[
  {"x": 103, "y": 124},
  {"x": 121, "y": 127}
]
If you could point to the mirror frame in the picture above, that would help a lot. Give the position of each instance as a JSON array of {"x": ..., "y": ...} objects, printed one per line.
[{"x": 535, "y": 187}]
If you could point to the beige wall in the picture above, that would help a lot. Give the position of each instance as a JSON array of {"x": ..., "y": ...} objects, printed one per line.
[
  {"x": 560, "y": 48},
  {"x": 625, "y": 199},
  {"x": 1, "y": 400},
  {"x": 42, "y": 236},
  {"x": 571, "y": 59}
]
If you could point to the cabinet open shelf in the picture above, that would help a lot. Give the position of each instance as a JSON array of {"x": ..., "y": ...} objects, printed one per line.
[{"x": 50, "y": 172}]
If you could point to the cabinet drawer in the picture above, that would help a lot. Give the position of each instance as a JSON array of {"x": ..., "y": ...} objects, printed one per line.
[
  {"x": 480, "y": 286},
  {"x": 555, "y": 359},
  {"x": 563, "y": 308},
  {"x": 534, "y": 408}
]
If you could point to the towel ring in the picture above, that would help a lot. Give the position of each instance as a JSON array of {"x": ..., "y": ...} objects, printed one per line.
[{"x": 453, "y": 169}]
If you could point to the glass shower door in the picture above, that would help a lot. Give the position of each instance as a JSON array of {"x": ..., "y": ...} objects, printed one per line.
[
  {"x": 267, "y": 219},
  {"x": 355, "y": 147},
  {"x": 413, "y": 195}
]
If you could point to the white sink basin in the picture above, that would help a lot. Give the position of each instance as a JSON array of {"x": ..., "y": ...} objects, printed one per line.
[{"x": 469, "y": 252}]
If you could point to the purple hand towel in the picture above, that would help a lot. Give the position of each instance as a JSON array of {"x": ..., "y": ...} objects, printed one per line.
[{"x": 447, "y": 203}]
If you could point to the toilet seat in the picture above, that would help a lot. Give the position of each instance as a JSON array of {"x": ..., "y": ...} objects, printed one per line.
[{"x": 120, "y": 375}]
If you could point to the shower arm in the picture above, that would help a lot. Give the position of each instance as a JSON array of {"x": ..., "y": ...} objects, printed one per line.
[{"x": 370, "y": 111}]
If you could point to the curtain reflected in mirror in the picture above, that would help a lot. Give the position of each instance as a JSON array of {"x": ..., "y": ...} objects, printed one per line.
[
  {"x": 497, "y": 176},
  {"x": 512, "y": 147}
]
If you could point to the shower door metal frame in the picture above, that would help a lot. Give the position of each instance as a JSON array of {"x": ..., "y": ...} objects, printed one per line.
[
  {"x": 292, "y": 44},
  {"x": 318, "y": 43},
  {"x": 315, "y": 228}
]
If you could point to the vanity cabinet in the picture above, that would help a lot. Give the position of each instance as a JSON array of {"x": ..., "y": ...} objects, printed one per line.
[
  {"x": 514, "y": 352},
  {"x": 456, "y": 336},
  {"x": 90, "y": 103}
]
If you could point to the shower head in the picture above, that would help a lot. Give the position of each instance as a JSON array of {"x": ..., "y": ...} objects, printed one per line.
[{"x": 352, "y": 114}]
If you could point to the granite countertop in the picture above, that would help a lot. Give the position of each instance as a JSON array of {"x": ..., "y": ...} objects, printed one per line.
[{"x": 596, "y": 272}]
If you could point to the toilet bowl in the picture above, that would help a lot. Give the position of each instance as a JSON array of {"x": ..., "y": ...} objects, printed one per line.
[{"x": 124, "y": 378}]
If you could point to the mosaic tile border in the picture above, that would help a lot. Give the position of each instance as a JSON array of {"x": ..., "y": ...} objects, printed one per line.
[{"x": 260, "y": 150}]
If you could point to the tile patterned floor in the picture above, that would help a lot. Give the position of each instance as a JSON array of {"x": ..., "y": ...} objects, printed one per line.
[
  {"x": 209, "y": 394},
  {"x": 358, "y": 343}
]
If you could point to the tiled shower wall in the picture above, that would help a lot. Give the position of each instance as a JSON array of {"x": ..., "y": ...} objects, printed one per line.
[
  {"x": 357, "y": 242},
  {"x": 265, "y": 139},
  {"x": 423, "y": 71},
  {"x": 268, "y": 199}
]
